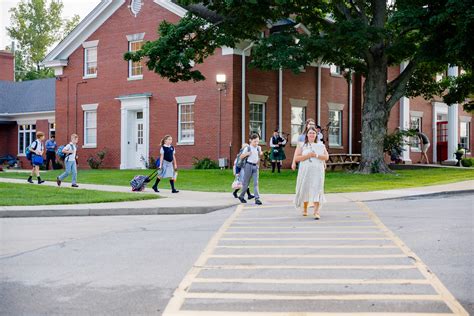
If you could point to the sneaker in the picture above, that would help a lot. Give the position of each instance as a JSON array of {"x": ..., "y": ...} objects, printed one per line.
[
  {"x": 235, "y": 195},
  {"x": 258, "y": 202},
  {"x": 242, "y": 200},
  {"x": 58, "y": 182},
  {"x": 174, "y": 191},
  {"x": 251, "y": 196},
  {"x": 155, "y": 189},
  {"x": 40, "y": 181},
  {"x": 74, "y": 186}
]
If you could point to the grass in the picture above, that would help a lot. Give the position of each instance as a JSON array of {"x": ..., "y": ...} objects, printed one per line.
[
  {"x": 14, "y": 194},
  {"x": 220, "y": 181}
]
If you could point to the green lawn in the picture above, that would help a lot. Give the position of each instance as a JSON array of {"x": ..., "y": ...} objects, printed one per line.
[
  {"x": 13, "y": 194},
  {"x": 220, "y": 181}
]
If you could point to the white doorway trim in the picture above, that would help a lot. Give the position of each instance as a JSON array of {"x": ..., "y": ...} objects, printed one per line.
[{"x": 129, "y": 105}]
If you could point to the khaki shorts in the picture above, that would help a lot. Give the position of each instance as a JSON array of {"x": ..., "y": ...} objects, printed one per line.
[{"x": 425, "y": 147}]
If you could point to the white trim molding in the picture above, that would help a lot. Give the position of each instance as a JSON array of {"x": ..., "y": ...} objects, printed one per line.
[
  {"x": 90, "y": 44},
  {"x": 335, "y": 106},
  {"x": 135, "y": 37},
  {"x": 299, "y": 102},
  {"x": 186, "y": 99},
  {"x": 90, "y": 107},
  {"x": 465, "y": 119},
  {"x": 172, "y": 7},
  {"x": 256, "y": 98},
  {"x": 416, "y": 114}
]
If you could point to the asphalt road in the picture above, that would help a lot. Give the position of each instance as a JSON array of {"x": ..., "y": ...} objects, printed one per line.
[{"x": 131, "y": 265}]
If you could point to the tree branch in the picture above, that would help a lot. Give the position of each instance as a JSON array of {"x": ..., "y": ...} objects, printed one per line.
[
  {"x": 361, "y": 12},
  {"x": 344, "y": 10},
  {"x": 397, "y": 87}
]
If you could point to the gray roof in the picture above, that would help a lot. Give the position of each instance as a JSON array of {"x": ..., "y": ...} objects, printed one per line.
[{"x": 27, "y": 96}]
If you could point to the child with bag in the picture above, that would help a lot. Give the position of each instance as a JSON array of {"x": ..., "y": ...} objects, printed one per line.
[
  {"x": 35, "y": 154},
  {"x": 70, "y": 152},
  {"x": 168, "y": 167},
  {"x": 239, "y": 175}
]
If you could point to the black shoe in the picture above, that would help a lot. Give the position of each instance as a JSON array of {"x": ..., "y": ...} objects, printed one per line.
[
  {"x": 30, "y": 180},
  {"x": 75, "y": 186},
  {"x": 250, "y": 196},
  {"x": 235, "y": 195},
  {"x": 155, "y": 188},
  {"x": 40, "y": 181},
  {"x": 258, "y": 202},
  {"x": 242, "y": 200},
  {"x": 58, "y": 182},
  {"x": 174, "y": 191}
]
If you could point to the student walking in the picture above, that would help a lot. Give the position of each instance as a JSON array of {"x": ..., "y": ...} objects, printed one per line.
[
  {"x": 168, "y": 166},
  {"x": 51, "y": 152},
  {"x": 277, "y": 151},
  {"x": 311, "y": 173},
  {"x": 252, "y": 155},
  {"x": 425, "y": 145},
  {"x": 239, "y": 173},
  {"x": 70, "y": 161},
  {"x": 36, "y": 149}
]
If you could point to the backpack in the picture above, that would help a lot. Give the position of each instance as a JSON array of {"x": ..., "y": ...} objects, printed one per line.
[
  {"x": 241, "y": 162},
  {"x": 28, "y": 151},
  {"x": 60, "y": 153},
  {"x": 157, "y": 163}
]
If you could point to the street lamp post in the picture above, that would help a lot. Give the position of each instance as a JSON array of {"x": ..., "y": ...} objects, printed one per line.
[{"x": 221, "y": 86}]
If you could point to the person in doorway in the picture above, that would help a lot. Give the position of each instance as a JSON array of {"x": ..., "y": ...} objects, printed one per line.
[
  {"x": 277, "y": 151},
  {"x": 308, "y": 124},
  {"x": 239, "y": 173},
  {"x": 37, "y": 150},
  {"x": 252, "y": 156},
  {"x": 425, "y": 145},
  {"x": 320, "y": 137},
  {"x": 51, "y": 152},
  {"x": 70, "y": 162},
  {"x": 311, "y": 173},
  {"x": 168, "y": 166}
]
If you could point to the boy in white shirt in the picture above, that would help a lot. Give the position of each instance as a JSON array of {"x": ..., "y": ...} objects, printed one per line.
[
  {"x": 252, "y": 153},
  {"x": 70, "y": 160}
]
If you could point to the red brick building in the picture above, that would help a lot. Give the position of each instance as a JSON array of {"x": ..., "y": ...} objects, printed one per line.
[{"x": 123, "y": 107}]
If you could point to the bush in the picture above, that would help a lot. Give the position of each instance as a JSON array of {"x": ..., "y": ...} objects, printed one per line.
[
  {"x": 151, "y": 163},
  {"x": 467, "y": 162},
  {"x": 266, "y": 159},
  {"x": 95, "y": 163},
  {"x": 205, "y": 163}
]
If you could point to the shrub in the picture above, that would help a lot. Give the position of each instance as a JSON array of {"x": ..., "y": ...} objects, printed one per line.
[
  {"x": 266, "y": 159},
  {"x": 151, "y": 163},
  {"x": 467, "y": 162},
  {"x": 95, "y": 163},
  {"x": 205, "y": 163}
]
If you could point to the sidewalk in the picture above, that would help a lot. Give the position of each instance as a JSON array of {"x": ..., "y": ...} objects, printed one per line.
[{"x": 192, "y": 202}]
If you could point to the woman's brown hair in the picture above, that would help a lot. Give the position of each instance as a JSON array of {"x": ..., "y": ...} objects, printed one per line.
[
  {"x": 306, "y": 135},
  {"x": 305, "y": 131}
]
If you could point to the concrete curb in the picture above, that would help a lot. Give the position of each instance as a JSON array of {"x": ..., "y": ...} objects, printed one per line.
[
  {"x": 87, "y": 211},
  {"x": 420, "y": 196}
]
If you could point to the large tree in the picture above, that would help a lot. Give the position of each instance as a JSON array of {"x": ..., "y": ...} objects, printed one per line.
[
  {"x": 36, "y": 25},
  {"x": 366, "y": 37}
]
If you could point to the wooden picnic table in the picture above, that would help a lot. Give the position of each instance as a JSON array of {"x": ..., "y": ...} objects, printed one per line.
[{"x": 343, "y": 160}]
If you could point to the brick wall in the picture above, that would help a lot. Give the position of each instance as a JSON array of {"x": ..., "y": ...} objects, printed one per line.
[{"x": 6, "y": 66}]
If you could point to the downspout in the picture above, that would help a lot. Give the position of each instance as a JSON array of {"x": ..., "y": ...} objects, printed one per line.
[
  {"x": 350, "y": 116},
  {"x": 243, "y": 91},
  {"x": 318, "y": 110},
  {"x": 280, "y": 100}
]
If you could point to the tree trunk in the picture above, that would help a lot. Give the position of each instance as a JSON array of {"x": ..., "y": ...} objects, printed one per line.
[{"x": 375, "y": 116}]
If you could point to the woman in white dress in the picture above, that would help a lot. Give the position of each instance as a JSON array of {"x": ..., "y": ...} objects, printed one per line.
[{"x": 312, "y": 156}]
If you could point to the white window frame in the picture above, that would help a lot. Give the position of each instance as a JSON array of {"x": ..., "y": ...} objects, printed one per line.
[
  {"x": 468, "y": 132},
  {"x": 90, "y": 108},
  {"x": 93, "y": 75},
  {"x": 416, "y": 139},
  {"x": 130, "y": 62},
  {"x": 52, "y": 128},
  {"x": 339, "y": 143},
  {"x": 335, "y": 71},
  {"x": 31, "y": 131},
  {"x": 262, "y": 137},
  {"x": 302, "y": 124},
  {"x": 180, "y": 122}
]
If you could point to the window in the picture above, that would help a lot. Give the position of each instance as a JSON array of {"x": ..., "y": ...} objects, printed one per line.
[
  {"x": 335, "y": 70},
  {"x": 257, "y": 119},
  {"x": 186, "y": 123},
  {"x": 298, "y": 117},
  {"x": 135, "y": 68},
  {"x": 90, "y": 128},
  {"x": 335, "y": 129},
  {"x": 465, "y": 130},
  {"x": 26, "y": 135},
  {"x": 52, "y": 129},
  {"x": 415, "y": 123},
  {"x": 90, "y": 62}
]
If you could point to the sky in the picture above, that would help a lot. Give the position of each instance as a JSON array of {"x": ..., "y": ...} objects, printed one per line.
[{"x": 71, "y": 7}]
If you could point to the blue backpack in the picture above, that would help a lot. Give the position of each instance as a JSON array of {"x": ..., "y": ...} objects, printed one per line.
[
  {"x": 60, "y": 153},
  {"x": 157, "y": 163},
  {"x": 28, "y": 151}
]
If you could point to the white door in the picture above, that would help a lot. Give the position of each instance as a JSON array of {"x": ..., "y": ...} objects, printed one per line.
[{"x": 140, "y": 156}]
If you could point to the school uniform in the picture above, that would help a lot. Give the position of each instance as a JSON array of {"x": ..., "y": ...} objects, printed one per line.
[
  {"x": 37, "y": 145},
  {"x": 167, "y": 167},
  {"x": 251, "y": 169},
  {"x": 71, "y": 166}
]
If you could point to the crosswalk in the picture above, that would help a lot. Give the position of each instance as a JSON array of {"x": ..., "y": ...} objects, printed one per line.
[{"x": 272, "y": 261}]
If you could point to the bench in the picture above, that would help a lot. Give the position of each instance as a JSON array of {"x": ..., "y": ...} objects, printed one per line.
[{"x": 343, "y": 160}]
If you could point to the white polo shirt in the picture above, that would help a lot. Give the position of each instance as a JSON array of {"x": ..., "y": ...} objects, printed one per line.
[
  {"x": 71, "y": 157},
  {"x": 254, "y": 154}
]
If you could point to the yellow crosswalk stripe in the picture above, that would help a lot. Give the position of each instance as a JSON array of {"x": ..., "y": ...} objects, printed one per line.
[{"x": 311, "y": 281}]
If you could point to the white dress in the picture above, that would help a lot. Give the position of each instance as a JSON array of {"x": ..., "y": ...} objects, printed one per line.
[{"x": 310, "y": 180}]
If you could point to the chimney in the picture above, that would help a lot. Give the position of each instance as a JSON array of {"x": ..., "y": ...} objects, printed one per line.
[{"x": 7, "y": 65}]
